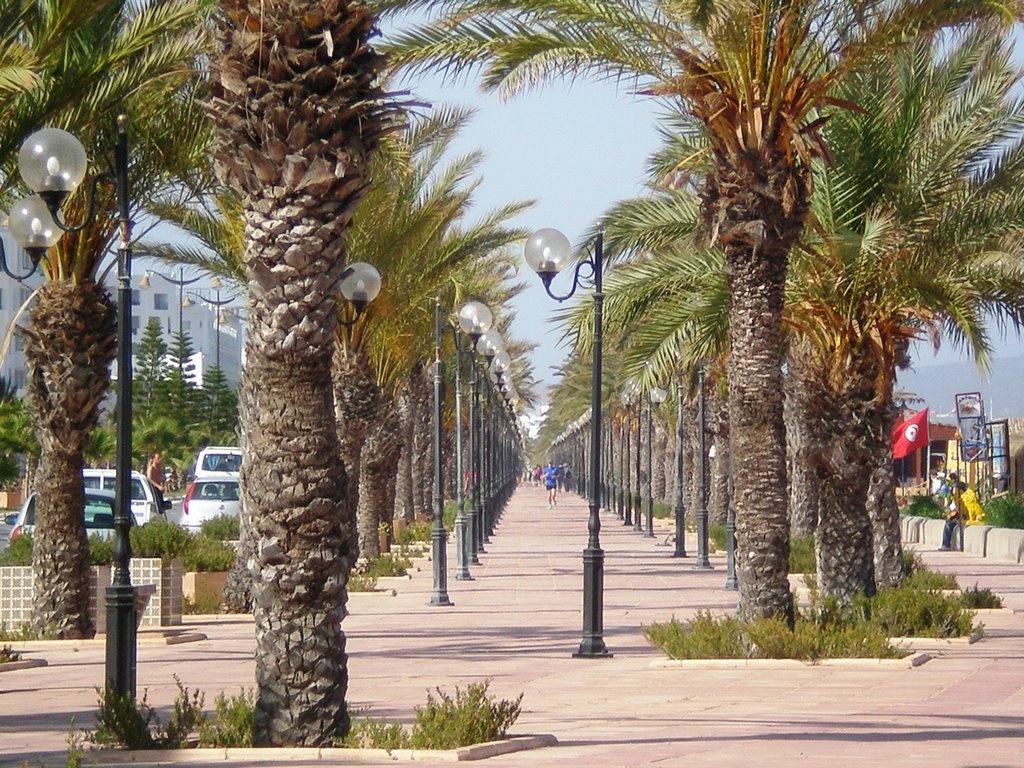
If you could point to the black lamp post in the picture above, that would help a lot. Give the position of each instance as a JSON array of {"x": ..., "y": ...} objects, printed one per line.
[
  {"x": 438, "y": 535},
  {"x": 702, "y": 505},
  {"x": 680, "y": 550},
  {"x": 475, "y": 319},
  {"x": 656, "y": 396},
  {"x": 626, "y": 492},
  {"x": 547, "y": 252},
  {"x": 462, "y": 545},
  {"x": 53, "y": 163},
  {"x": 637, "y": 513}
]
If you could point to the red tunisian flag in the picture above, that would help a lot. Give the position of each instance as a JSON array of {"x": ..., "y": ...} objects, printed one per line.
[{"x": 909, "y": 435}]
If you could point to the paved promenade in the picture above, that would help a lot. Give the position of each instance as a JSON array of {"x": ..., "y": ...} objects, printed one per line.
[{"x": 518, "y": 623}]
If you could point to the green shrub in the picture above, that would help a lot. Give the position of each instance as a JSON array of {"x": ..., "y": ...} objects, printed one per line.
[
  {"x": 159, "y": 538},
  {"x": 727, "y": 637},
  {"x": 801, "y": 554},
  {"x": 450, "y": 511},
  {"x": 716, "y": 535},
  {"x": 663, "y": 510},
  {"x": 361, "y": 582},
  {"x": 925, "y": 579},
  {"x": 8, "y": 654},
  {"x": 1005, "y": 512},
  {"x": 206, "y": 554},
  {"x": 371, "y": 733},
  {"x": 924, "y": 506},
  {"x": 202, "y": 605},
  {"x": 908, "y": 611},
  {"x": 389, "y": 565},
  {"x": 123, "y": 721},
  {"x": 23, "y": 632},
  {"x": 414, "y": 532},
  {"x": 19, "y": 551},
  {"x": 221, "y": 528},
  {"x": 980, "y": 598},
  {"x": 470, "y": 717},
  {"x": 231, "y": 724},
  {"x": 101, "y": 551}
]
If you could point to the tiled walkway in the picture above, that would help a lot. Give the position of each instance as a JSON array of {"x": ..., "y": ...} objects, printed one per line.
[{"x": 518, "y": 622}]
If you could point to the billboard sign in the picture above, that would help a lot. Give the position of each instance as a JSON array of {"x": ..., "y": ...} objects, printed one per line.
[{"x": 970, "y": 418}]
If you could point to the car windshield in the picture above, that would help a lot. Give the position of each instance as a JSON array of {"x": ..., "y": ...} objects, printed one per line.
[
  {"x": 98, "y": 512},
  {"x": 222, "y": 462},
  {"x": 223, "y": 490},
  {"x": 108, "y": 483}
]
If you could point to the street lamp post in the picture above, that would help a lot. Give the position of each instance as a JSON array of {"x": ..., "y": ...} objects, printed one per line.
[
  {"x": 217, "y": 303},
  {"x": 475, "y": 320},
  {"x": 438, "y": 535},
  {"x": 461, "y": 539},
  {"x": 655, "y": 397},
  {"x": 702, "y": 505},
  {"x": 547, "y": 252},
  {"x": 637, "y": 503},
  {"x": 53, "y": 163},
  {"x": 680, "y": 550},
  {"x": 626, "y": 492}
]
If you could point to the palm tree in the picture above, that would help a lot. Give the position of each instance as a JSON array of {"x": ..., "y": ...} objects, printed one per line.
[
  {"x": 118, "y": 56},
  {"x": 757, "y": 75}
]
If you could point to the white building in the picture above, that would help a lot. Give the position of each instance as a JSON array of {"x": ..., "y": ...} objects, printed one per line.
[{"x": 215, "y": 331}]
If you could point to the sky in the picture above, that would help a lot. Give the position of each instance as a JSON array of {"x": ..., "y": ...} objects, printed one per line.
[{"x": 577, "y": 148}]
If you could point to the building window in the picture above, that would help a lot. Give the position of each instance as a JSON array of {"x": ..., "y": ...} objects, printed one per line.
[
  {"x": 19, "y": 343},
  {"x": 25, "y": 293},
  {"x": 136, "y": 298},
  {"x": 26, "y": 262},
  {"x": 186, "y": 326},
  {"x": 20, "y": 379},
  {"x": 159, "y": 301},
  {"x": 135, "y": 325}
]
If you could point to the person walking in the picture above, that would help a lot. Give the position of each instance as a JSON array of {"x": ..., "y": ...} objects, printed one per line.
[
  {"x": 550, "y": 475},
  {"x": 155, "y": 473}
]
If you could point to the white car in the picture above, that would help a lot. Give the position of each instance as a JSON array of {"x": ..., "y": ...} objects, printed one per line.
[
  {"x": 217, "y": 460},
  {"x": 98, "y": 513},
  {"x": 208, "y": 497},
  {"x": 145, "y": 500}
]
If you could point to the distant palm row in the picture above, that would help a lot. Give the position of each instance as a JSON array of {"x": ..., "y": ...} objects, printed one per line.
[{"x": 837, "y": 179}]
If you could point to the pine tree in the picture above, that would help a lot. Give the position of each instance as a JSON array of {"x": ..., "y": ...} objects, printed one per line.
[{"x": 150, "y": 367}]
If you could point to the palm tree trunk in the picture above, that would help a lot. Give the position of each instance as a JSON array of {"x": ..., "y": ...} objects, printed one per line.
[
  {"x": 72, "y": 341},
  {"x": 356, "y": 404},
  {"x": 756, "y": 234},
  {"x": 419, "y": 433},
  {"x": 380, "y": 457},
  {"x": 404, "y": 504},
  {"x": 803, "y": 484},
  {"x": 717, "y": 436},
  {"x": 890, "y": 568}
]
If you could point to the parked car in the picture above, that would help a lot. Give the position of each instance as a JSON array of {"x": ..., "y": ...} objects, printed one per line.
[
  {"x": 98, "y": 512},
  {"x": 208, "y": 497},
  {"x": 217, "y": 459},
  {"x": 146, "y": 503}
]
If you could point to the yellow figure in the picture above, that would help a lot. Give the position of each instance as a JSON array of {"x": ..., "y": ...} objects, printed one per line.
[{"x": 974, "y": 514}]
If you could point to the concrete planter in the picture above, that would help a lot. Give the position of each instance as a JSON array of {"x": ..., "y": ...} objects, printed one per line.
[
  {"x": 163, "y": 608},
  {"x": 204, "y": 586}
]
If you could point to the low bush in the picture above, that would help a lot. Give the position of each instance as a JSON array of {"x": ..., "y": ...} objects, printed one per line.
[
  {"x": 201, "y": 605},
  {"x": 1005, "y": 512},
  {"x": 8, "y": 654},
  {"x": 124, "y": 721},
  {"x": 413, "y": 532},
  {"x": 360, "y": 581},
  {"x": 222, "y": 528},
  {"x": 471, "y": 716},
  {"x": 374, "y": 733},
  {"x": 924, "y": 506},
  {"x": 973, "y": 597},
  {"x": 23, "y": 632},
  {"x": 801, "y": 554},
  {"x": 908, "y": 611},
  {"x": 388, "y": 565},
  {"x": 231, "y": 724},
  {"x": 159, "y": 538},
  {"x": 101, "y": 551},
  {"x": 207, "y": 555},
  {"x": 18, "y": 552},
  {"x": 716, "y": 535}
]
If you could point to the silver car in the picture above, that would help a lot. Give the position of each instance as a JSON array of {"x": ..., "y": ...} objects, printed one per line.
[
  {"x": 214, "y": 495},
  {"x": 146, "y": 504},
  {"x": 98, "y": 513}
]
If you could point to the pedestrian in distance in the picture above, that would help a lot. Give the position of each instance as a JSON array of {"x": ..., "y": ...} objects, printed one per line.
[
  {"x": 550, "y": 475},
  {"x": 954, "y": 510}
]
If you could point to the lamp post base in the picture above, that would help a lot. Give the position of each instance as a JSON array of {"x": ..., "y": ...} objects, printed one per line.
[
  {"x": 592, "y": 643},
  {"x": 121, "y": 637}
]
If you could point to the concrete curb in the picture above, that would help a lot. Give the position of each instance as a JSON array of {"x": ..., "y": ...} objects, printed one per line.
[
  {"x": 14, "y": 666},
  {"x": 330, "y": 755},
  {"x": 915, "y": 660},
  {"x": 165, "y": 638}
]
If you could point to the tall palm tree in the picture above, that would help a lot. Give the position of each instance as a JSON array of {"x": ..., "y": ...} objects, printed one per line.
[
  {"x": 118, "y": 57},
  {"x": 757, "y": 74},
  {"x": 298, "y": 111}
]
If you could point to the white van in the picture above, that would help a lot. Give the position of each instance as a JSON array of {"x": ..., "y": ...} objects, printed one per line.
[
  {"x": 145, "y": 506},
  {"x": 218, "y": 460}
]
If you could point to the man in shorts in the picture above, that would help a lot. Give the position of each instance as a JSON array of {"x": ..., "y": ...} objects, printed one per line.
[{"x": 550, "y": 477}]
